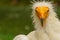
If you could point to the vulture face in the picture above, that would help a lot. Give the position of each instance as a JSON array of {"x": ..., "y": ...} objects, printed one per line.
[{"x": 42, "y": 13}]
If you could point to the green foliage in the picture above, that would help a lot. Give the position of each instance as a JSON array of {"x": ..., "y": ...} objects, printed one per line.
[
  {"x": 58, "y": 11},
  {"x": 14, "y": 20}
]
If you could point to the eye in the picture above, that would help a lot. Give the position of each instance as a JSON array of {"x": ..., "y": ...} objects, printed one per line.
[
  {"x": 36, "y": 10},
  {"x": 47, "y": 10}
]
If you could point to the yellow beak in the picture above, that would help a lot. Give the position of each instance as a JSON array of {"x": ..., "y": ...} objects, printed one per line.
[{"x": 42, "y": 13}]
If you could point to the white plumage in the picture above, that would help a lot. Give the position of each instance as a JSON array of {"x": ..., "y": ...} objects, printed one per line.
[
  {"x": 21, "y": 37},
  {"x": 51, "y": 31}
]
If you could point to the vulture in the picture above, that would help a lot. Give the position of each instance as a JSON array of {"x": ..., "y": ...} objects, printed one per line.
[{"x": 46, "y": 23}]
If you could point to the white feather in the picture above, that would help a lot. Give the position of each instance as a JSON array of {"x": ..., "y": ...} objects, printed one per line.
[{"x": 21, "y": 37}]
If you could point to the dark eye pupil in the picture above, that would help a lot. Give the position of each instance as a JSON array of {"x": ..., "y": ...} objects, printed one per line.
[{"x": 47, "y": 10}]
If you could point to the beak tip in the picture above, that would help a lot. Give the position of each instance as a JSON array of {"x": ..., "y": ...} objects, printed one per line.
[{"x": 42, "y": 20}]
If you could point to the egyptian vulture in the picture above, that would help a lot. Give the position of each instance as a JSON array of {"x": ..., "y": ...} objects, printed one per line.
[{"x": 46, "y": 23}]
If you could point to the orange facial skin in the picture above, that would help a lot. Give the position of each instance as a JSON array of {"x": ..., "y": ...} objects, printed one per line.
[{"x": 42, "y": 12}]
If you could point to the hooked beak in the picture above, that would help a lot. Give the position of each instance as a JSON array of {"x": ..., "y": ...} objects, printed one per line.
[
  {"x": 42, "y": 13},
  {"x": 42, "y": 21}
]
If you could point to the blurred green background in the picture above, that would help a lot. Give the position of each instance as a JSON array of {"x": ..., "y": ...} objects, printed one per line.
[{"x": 15, "y": 17}]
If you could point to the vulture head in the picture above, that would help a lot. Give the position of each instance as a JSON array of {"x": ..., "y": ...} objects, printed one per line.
[{"x": 43, "y": 15}]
